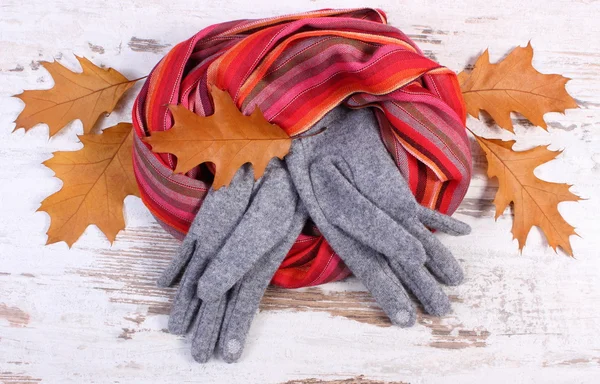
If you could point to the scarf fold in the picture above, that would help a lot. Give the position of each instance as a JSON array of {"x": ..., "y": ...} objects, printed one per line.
[{"x": 296, "y": 68}]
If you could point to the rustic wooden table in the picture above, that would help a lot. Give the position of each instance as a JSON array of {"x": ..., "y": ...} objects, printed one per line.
[{"x": 93, "y": 313}]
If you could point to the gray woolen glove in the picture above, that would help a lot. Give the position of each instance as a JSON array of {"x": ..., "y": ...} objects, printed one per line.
[
  {"x": 354, "y": 193},
  {"x": 237, "y": 241}
]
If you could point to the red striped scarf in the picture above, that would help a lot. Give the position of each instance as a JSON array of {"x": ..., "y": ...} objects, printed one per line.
[{"x": 296, "y": 68}]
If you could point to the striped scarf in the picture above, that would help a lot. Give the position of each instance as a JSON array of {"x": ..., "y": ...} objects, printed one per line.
[{"x": 296, "y": 68}]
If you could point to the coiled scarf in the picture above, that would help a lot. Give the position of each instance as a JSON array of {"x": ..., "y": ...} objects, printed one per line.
[{"x": 296, "y": 68}]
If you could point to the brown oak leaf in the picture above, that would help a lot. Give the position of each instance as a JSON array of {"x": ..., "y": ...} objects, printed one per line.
[
  {"x": 96, "y": 179},
  {"x": 513, "y": 85},
  {"x": 535, "y": 201},
  {"x": 85, "y": 96},
  {"x": 227, "y": 138}
]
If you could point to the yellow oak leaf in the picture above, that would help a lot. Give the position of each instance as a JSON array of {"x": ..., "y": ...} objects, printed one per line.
[
  {"x": 513, "y": 85},
  {"x": 535, "y": 202},
  {"x": 96, "y": 180},
  {"x": 85, "y": 96},
  {"x": 227, "y": 138}
]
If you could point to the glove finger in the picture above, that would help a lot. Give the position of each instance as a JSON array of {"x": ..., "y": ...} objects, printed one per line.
[
  {"x": 264, "y": 225},
  {"x": 444, "y": 223},
  {"x": 184, "y": 308},
  {"x": 182, "y": 313},
  {"x": 245, "y": 296},
  {"x": 178, "y": 264},
  {"x": 345, "y": 207},
  {"x": 372, "y": 269},
  {"x": 425, "y": 288},
  {"x": 440, "y": 260},
  {"x": 238, "y": 317},
  {"x": 185, "y": 303},
  {"x": 206, "y": 329}
]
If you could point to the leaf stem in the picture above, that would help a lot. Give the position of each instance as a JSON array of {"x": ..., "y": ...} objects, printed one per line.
[{"x": 138, "y": 79}]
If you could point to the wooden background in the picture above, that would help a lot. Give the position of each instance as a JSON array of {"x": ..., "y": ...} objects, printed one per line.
[{"x": 93, "y": 314}]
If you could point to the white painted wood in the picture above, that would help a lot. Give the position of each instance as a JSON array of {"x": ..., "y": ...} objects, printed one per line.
[{"x": 92, "y": 313}]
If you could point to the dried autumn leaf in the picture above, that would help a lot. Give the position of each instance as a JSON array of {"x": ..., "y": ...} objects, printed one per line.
[
  {"x": 227, "y": 138},
  {"x": 535, "y": 201},
  {"x": 96, "y": 179},
  {"x": 513, "y": 85},
  {"x": 84, "y": 96}
]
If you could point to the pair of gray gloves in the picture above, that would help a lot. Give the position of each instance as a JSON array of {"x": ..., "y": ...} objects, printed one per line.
[{"x": 346, "y": 181}]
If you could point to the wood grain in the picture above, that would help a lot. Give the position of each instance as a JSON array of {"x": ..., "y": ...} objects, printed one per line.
[
  {"x": 17, "y": 378},
  {"x": 94, "y": 314},
  {"x": 15, "y": 316},
  {"x": 354, "y": 380}
]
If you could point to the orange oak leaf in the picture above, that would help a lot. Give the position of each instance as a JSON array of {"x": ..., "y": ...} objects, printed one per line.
[
  {"x": 227, "y": 138},
  {"x": 85, "y": 96},
  {"x": 535, "y": 202},
  {"x": 96, "y": 179},
  {"x": 513, "y": 85}
]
